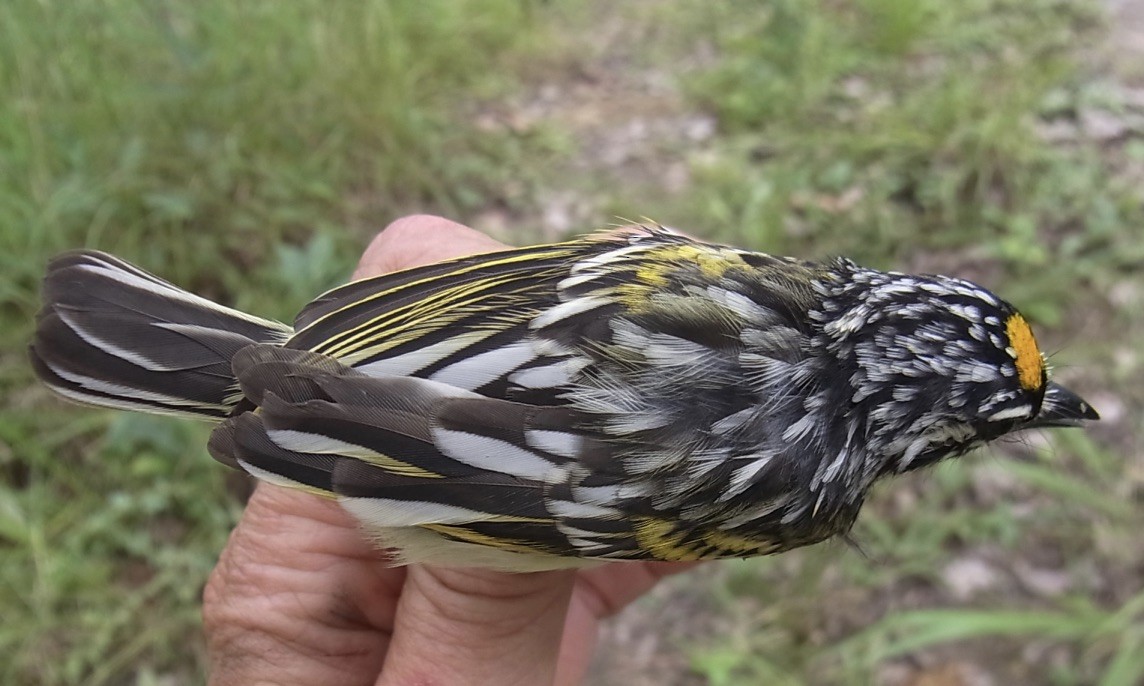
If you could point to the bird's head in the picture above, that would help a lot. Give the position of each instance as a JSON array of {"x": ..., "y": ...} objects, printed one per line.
[{"x": 935, "y": 365}]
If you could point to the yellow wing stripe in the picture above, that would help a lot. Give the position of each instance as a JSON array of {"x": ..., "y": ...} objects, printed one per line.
[
  {"x": 393, "y": 322},
  {"x": 537, "y": 253},
  {"x": 395, "y": 466},
  {"x": 467, "y": 535},
  {"x": 435, "y": 311}
]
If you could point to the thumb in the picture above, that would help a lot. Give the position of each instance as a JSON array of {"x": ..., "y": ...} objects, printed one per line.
[
  {"x": 418, "y": 240},
  {"x": 469, "y": 626}
]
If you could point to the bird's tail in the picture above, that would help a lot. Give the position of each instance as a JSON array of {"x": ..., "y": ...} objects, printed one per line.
[{"x": 111, "y": 334}]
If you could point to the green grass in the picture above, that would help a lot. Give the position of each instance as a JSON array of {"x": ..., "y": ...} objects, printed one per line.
[
  {"x": 247, "y": 150},
  {"x": 177, "y": 134},
  {"x": 879, "y": 138}
]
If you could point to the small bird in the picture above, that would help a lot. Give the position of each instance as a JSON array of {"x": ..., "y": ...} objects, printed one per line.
[{"x": 632, "y": 395}]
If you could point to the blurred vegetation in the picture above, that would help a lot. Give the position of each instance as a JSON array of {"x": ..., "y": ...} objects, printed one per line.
[
  {"x": 248, "y": 150},
  {"x": 886, "y": 127}
]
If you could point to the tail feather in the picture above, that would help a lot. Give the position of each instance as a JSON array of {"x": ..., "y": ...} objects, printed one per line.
[{"x": 113, "y": 335}]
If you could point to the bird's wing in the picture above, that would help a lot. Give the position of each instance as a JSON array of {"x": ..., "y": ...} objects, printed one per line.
[{"x": 574, "y": 400}]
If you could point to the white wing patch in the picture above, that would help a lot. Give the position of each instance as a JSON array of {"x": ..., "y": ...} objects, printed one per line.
[
  {"x": 555, "y": 375},
  {"x": 491, "y": 454},
  {"x": 570, "y": 510},
  {"x": 568, "y": 309},
  {"x": 303, "y": 442},
  {"x": 558, "y": 443},
  {"x": 476, "y": 371},
  {"x": 409, "y": 363}
]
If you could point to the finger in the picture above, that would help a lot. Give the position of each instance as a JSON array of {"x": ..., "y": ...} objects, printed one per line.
[
  {"x": 467, "y": 626},
  {"x": 600, "y": 593},
  {"x": 323, "y": 613},
  {"x": 609, "y": 589},
  {"x": 298, "y": 597},
  {"x": 421, "y": 239}
]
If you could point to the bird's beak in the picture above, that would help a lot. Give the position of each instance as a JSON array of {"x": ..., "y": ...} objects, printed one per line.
[{"x": 1062, "y": 407}]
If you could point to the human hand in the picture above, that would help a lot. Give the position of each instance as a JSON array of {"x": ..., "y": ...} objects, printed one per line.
[{"x": 300, "y": 596}]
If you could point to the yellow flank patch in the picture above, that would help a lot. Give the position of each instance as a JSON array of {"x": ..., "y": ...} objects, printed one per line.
[
  {"x": 1030, "y": 363},
  {"x": 729, "y": 545},
  {"x": 663, "y": 541}
]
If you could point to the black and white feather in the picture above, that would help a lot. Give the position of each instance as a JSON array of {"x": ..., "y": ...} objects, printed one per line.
[{"x": 111, "y": 334}]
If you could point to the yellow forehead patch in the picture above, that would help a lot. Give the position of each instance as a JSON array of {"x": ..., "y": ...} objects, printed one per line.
[{"x": 1030, "y": 363}]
